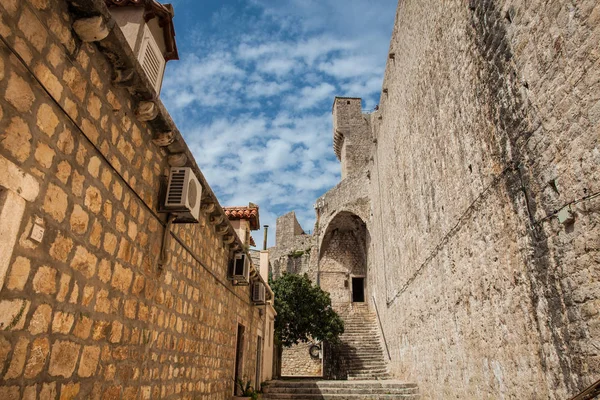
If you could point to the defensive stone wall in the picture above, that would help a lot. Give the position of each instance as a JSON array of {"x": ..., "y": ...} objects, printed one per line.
[
  {"x": 480, "y": 199},
  {"x": 484, "y": 191},
  {"x": 293, "y": 251},
  {"x": 86, "y": 311}
]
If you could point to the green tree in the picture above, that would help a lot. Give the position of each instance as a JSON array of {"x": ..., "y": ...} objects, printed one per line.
[{"x": 304, "y": 313}]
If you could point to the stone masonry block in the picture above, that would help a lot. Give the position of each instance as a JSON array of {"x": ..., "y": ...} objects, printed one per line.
[
  {"x": 122, "y": 277},
  {"x": 12, "y": 314},
  {"x": 79, "y": 220},
  {"x": 40, "y": 321},
  {"x": 62, "y": 322},
  {"x": 17, "y": 139},
  {"x": 19, "y": 273},
  {"x": 61, "y": 248},
  {"x": 93, "y": 199},
  {"x": 18, "y": 358},
  {"x": 37, "y": 357},
  {"x": 47, "y": 120},
  {"x": 56, "y": 202},
  {"x": 44, "y": 155},
  {"x": 32, "y": 29},
  {"x": 19, "y": 93},
  {"x": 84, "y": 262},
  {"x": 44, "y": 280},
  {"x": 89, "y": 361},
  {"x": 63, "y": 358}
]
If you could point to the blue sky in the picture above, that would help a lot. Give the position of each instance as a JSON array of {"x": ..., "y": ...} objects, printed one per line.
[{"x": 253, "y": 89}]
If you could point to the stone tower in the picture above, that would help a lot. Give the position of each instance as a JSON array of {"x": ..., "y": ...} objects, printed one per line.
[{"x": 351, "y": 135}]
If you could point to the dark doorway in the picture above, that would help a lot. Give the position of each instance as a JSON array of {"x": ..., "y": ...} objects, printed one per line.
[
  {"x": 358, "y": 290},
  {"x": 239, "y": 356}
]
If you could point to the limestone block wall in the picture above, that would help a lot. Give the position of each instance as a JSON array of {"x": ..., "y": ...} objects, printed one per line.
[
  {"x": 487, "y": 128},
  {"x": 293, "y": 251},
  {"x": 298, "y": 362},
  {"x": 86, "y": 312}
]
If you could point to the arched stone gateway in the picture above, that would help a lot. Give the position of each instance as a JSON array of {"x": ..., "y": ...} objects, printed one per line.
[{"x": 343, "y": 259}]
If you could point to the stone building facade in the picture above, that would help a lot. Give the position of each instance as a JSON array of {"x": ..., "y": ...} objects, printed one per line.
[
  {"x": 479, "y": 198},
  {"x": 91, "y": 304}
]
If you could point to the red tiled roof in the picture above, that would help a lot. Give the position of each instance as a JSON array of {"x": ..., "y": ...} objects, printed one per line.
[
  {"x": 249, "y": 213},
  {"x": 252, "y": 242}
]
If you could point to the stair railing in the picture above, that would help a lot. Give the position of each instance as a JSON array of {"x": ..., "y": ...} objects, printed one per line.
[
  {"x": 589, "y": 393},
  {"x": 381, "y": 329}
]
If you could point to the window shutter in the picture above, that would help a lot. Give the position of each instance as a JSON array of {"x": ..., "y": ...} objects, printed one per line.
[{"x": 151, "y": 59}]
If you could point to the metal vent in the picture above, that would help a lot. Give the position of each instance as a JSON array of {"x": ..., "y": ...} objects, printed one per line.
[
  {"x": 176, "y": 187},
  {"x": 151, "y": 59}
]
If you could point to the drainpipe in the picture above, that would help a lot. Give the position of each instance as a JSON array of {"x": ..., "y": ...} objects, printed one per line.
[{"x": 266, "y": 229}]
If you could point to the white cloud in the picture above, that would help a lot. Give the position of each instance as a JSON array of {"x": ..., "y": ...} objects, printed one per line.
[
  {"x": 252, "y": 94},
  {"x": 310, "y": 96}
]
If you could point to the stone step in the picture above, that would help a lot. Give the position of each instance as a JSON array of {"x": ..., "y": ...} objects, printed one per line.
[
  {"x": 334, "y": 390},
  {"x": 300, "y": 382}
]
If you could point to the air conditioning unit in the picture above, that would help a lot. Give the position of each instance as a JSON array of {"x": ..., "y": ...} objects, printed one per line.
[
  {"x": 183, "y": 195},
  {"x": 239, "y": 269},
  {"x": 258, "y": 293}
]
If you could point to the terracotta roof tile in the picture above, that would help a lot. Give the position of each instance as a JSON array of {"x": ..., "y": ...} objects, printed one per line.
[{"x": 249, "y": 213}]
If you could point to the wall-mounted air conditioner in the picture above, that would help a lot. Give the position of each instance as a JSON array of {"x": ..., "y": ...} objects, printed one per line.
[
  {"x": 258, "y": 293},
  {"x": 239, "y": 269},
  {"x": 183, "y": 195}
]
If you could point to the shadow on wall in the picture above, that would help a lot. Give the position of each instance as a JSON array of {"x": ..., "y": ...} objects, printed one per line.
[{"x": 339, "y": 360}]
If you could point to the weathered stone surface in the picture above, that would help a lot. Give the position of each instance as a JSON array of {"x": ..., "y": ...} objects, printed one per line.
[
  {"x": 79, "y": 220},
  {"x": 17, "y": 139},
  {"x": 18, "y": 358},
  {"x": 61, "y": 248},
  {"x": 12, "y": 314},
  {"x": 90, "y": 29},
  {"x": 40, "y": 321},
  {"x": 84, "y": 262},
  {"x": 50, "y": 81},
  {"x": 19, "y": 93},
  {"x": 93, "y": 199},
  {"x": 121, "y": 279},
  {"x": 44, "y": 155},
  {"x": 89, "y": 361},
  {"x": 44, "y": 280},
  {"x": 37, "y": 357},
  {"x": 63, "y": 358},
  {"x": 48, "y": 391},
  {"x": 33, "y": 30},
  {"x": 56, "y": 202},
  {"x": 96, "y": 201},
  {"x": 62, "y": 322},
  {"x": 69, "y": 391},
  {"x": 47, "y": 120},
  {"x": 19, "y": 273}
]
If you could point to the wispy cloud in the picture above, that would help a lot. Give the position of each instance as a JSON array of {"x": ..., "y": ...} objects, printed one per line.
[{"x": 253, "y": 90}]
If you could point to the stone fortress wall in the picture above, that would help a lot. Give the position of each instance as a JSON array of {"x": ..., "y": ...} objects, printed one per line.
[
  {"x": 482, "y": 197},
  {"x": 86, "y": 311}
]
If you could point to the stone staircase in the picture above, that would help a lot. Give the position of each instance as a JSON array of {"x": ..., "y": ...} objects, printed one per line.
[
  {"x": 311, "y": 389},
  {"x": 360, "y": 355}
]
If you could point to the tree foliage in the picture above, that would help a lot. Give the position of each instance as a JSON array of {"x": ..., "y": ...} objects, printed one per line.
[{"x": 303, "y": 311}]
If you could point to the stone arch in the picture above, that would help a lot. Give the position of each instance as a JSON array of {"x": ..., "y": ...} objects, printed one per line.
[{"x": 343, "y": 255}]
